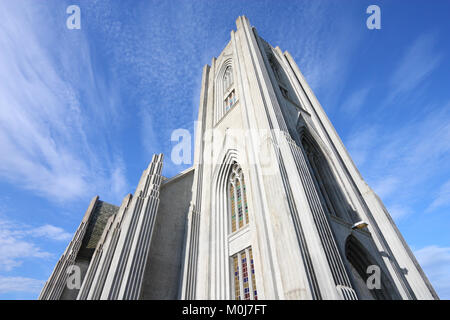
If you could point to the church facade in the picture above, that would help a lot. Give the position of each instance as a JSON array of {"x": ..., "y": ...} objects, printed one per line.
[{"x": 273, "y": 207}]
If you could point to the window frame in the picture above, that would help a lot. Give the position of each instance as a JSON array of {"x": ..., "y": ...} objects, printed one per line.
[
  {"x": 251, "y": 275},
  {"x": 235, "y": 175}
]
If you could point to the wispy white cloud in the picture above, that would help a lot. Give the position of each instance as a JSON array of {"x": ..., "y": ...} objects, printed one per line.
[
  {"x": 442, "y": 198},
  {"x": 435, "y": 261},
  {"x": 398, "y": 211},
  {"x": 385, "y": 186},
  {"x": 20, "y": 284},
  {"x": 352, "y": 105},
  {"x": 18, "y": 242},
  {"x": 360, "y": 142},
  {"x": 402, "y": 160},
  {"x": 118, "y": 180},
  {"x": 50, "y": 232},
  {"x": 419, "y": 60},
  {"x": 161, "y": 62},
  {"x": 49, "y": 143},
  {"x": 323, "y": 48},
  {"x": 14, "y": 249}
]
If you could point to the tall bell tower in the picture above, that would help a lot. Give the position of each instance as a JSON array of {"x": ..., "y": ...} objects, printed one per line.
[{"x": 279, "y": 209}]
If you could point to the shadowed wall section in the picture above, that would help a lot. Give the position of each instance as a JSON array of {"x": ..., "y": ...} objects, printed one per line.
[{"x": 162, "y": 271}]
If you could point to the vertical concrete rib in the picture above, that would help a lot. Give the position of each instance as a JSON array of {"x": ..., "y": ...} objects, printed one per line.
[{"x": 54, "y": 286}]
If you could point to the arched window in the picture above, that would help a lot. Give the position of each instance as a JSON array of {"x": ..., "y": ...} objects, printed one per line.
[
  {"x": 228, "y": 90},
  {"x": 227, "y": 79},
  {"x": 225, "y": 87},
  {"x": 237, "y": 199}
]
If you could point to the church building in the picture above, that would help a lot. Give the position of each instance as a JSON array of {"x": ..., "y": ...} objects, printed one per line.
[{"x": 272, "y": 208}]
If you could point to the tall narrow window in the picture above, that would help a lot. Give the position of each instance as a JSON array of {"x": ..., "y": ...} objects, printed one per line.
[
  {"x": 226, "y": 91},
  {"x": 237, "y": 199},
  {"x": 242, "y": 266},
  {"x": 233, "y": 208},
  {"x": 227, "y": 79},
  {"x": 245, "y": 199},
  {"x": 244, "y": 283}
]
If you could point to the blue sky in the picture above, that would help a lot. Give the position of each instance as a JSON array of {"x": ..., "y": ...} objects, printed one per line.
[{"x": 82, "y": 111}]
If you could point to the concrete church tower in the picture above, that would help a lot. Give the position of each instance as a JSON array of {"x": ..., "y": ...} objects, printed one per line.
[
  {"x": 279, "y": 211},
  {"x": 273, "y": 207}
]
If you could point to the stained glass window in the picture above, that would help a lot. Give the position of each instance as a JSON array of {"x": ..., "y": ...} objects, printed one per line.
[
  {"x": 245, "y": 199},
  {"x": 237, "y": 199},
  {"x": 229, "y": 101},
  {"x": 237, "y": 287},
  {"x": 239, "y": 204},
  {"x": 245, "y": 275},
  {"x": 244, "y": 284},
  {"x": 252, "y": 268},
  {"x": 233, "y": 210}
]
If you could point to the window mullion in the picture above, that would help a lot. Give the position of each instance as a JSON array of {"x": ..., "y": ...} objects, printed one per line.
[
  {"x": 241, "y": 278},
  {"x": 244, "y": 219},
  {"x": 249, "y": 272}
]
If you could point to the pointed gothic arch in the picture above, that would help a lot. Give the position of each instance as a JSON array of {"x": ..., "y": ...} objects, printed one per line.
[
  {"x": 237, "y": 199},
  {"x": 330, "y": 192},
  {"x": 232, "y": 267},
  {"x": 227, "y": 79},
  {"x": 225, "y": 89}
]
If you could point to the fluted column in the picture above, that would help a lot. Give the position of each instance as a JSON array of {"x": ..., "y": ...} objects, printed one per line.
[
  {"x": 191, "y": 252},
  {"x": 117, "y": 268},
  {"x": 334, "y": 259},
  {"x": 129, "y": 271}
]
